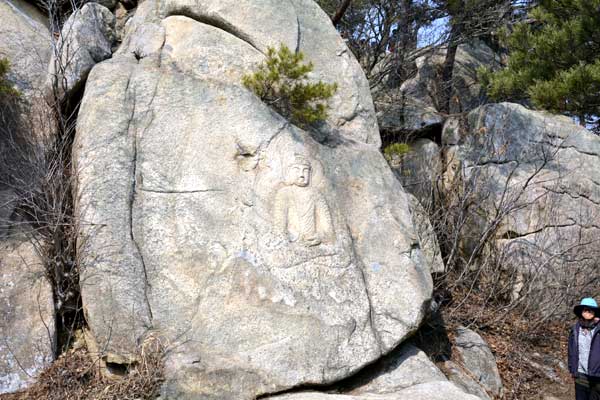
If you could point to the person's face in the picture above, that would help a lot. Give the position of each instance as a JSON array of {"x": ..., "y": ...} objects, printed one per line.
[
  {"x": 300, "y": 175},
  {"x": 587, "y": 313}
]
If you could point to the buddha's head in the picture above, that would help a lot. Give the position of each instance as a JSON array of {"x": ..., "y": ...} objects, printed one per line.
[{"x": 299, "y": 171}]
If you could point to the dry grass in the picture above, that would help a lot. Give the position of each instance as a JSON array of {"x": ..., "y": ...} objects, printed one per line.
[{"x": 76, "y": 375}]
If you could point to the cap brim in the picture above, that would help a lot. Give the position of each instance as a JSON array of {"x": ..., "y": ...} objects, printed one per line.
[{"x": 579, "y": 308}]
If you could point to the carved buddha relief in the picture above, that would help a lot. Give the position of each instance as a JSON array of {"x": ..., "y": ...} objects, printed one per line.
[{"x": 301, "y": 211}]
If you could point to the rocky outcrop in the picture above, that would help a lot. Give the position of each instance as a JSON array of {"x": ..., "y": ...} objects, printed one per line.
[
  {"x": 27, "y": 336},
  {"x": 26, "y": 44},
  {"x": 427, "y": 236},
  {"x": 424, "y": 391},
  {"x": 406, "y": 373},
  {"x": 398, "y": 113},
  {"x": 464, "y": 380},
  {"x": 405, "y": 367},
  {"x": 534, "y": 175},
  {"x": 467, "y": 93},
  {"x": 86, "y": 39},
  {"x": 420, "y": 170},
  {"x": 413, "y": 107},
  {"x": 478, "y": 360},
  {"x": 267, "y": 256},
  {"x": 352, "y": 111}
]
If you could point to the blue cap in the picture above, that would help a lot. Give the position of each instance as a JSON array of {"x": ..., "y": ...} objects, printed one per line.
[{"x": 587, "y": 302}]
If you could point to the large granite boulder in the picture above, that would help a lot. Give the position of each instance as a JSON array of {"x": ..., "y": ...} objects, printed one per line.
[
  {"x": 424, "y": 391},
  {"x": 27, "y": 337},
  {"x": 86, "y": 39},
  {"x": 466, "y": 92},
  {"x": 406, "y": 366},
  {"x": 478, "y": 360},
  {"x": 420, "y": 170},
  {"x": 427, "y": 236},
  {"x": 406, "y": 373},
  {"x": 461, "y": 377},
  {"x": 26, "y": 44},
  {"x": 533, "y": 176},
  {"x": 402, "y": 114},
  {"x": 412, "y": 108},
  {"x": 266, "y": 256}
]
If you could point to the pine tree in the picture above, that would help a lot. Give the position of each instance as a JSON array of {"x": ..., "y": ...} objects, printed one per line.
[
  {"x": 554, "y": 60},
  {"x": 281, "y": 81}
]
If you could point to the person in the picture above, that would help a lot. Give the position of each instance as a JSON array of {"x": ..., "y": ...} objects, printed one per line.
[{"x": 584, "y": 350}]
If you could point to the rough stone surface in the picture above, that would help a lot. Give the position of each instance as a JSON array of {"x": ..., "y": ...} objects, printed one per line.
[
  {"x": 26, "y": 307},
  {"x": 86, "y": 39},
  {"x": 466, "y": 91},
  {"x": 427, "y": 237},
  {"x": 307, "y": 29},
  {"x": 26, "y": 44},
  {"x": 265, "y": 257},
  {"x": 539, "y": 171},
  {"x": 401, "y": 113},
  {"x": 478, "y": 360},
  {"x": 26, "y": 316},
  {"x": 463, "y": 380},
  {"x": 122, "y": 16},
  {"x": 420, "y": 170},
  {"x": 424, "y": 391},
  {"x": 405, "y": 367}
]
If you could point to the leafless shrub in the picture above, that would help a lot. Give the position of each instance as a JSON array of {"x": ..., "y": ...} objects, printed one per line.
[
  {"x": 493, "y": 270},
  {"x": 78, "y": 375},
  {"x": 36, "y": 136}
]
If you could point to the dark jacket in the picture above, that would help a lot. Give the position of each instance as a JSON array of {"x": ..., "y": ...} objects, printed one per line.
[{"x": 594, "y": 360}]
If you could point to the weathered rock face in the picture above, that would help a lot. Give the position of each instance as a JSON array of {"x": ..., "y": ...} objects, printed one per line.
[
  {"x": 428, "y": 242},
  {"x": 478, "y": 360},
  {"x": 26, "y": 316},
  {"x": 405, "y": 367},
  {"x": 414, "y": 107},
  {"x": 299, "y": 24},
  {"x": 466, "y": 91},
  {"x": 400, "y": 113},
  {"x": 86, "y": 39},
  {"x": 26, "y": 306},
  {"x": 26, "y": 44},
  {"x": 405, "y": 373},
  {"x": 266, "y": 258},
  {"x": 535, "y": 173},
  {"x": 424, "y": 391},
  {"x": 461, "y": 378},
  {"x": 420, "y": 170}
]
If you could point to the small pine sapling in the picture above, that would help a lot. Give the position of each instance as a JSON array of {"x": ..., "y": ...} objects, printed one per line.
[
  {"x": 395, "y": 150},
  {"x": 281, "y": 81},
  {"x": 6, "y": 88}
]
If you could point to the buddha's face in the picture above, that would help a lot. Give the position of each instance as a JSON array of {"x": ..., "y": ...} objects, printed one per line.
[{"x": 299, "y": 175}]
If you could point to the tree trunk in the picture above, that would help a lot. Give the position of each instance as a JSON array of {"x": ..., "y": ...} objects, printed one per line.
[
  {"x": 448, "y": 68},
  {"x": 340, "y": 12}
]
